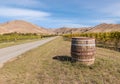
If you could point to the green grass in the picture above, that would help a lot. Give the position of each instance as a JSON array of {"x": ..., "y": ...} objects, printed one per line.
[{"x": 38, "y": 67}]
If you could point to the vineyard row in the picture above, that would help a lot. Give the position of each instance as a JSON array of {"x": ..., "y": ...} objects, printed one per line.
[
  {"x": 107, "y": 39},
  {"x": 19, "y": 36}
]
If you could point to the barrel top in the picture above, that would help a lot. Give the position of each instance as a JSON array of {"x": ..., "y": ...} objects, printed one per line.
[{"x": 83, "y": 38}]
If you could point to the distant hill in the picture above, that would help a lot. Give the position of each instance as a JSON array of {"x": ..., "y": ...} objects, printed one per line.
[
  {"x": 71, "y": 30},
  {"x": 105, "y": 28},
  {"x": 20, "y": 26},
  {"x": 99, "y": 28}
]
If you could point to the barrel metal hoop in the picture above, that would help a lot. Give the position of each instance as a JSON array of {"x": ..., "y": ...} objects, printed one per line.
[
  {"x": 84, "y": 60},
  {"x": 84, "y": 44},
  {"x": 91, "y": 53},
  {"x": 84, "y": 40}
]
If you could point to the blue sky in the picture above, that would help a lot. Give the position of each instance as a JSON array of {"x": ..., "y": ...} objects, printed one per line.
[{"x": 61, "y": 13}]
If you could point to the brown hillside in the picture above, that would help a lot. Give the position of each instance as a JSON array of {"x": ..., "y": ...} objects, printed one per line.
[
  {"x": 105, "y": 28},
  {"x": 26, "y": 27},
  {"x": 2, "y": 30},
  {"x": 20, "y": 26},
  {"x": 99, "y": 28},
  {"x": 71, "y": 30}
]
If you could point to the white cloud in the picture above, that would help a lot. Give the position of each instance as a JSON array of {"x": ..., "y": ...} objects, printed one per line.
[
  {"x": 60, "y": 20},
  {"x": 60, "y": 23},
  {"x": 73, "y": 25},
  {"x": 70, "y": 25},
  {"x": 25, "y": 3},
  {"x": 103, "y": 21},
  {"x": 17, "y": 12}
]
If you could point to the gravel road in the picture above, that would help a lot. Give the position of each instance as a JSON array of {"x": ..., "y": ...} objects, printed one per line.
[{"x": 14, "y": 51}]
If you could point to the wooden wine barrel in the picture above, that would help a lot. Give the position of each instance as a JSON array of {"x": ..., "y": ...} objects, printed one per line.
[{"x": 83, "y": 50}]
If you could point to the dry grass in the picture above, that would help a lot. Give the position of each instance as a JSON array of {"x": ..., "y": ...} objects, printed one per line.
[
  {"x": 38, "y": 67},
  {"x": 7, "y": 44}
]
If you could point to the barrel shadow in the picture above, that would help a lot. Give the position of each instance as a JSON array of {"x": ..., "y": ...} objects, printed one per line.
[{"x": 64, "y": 58}]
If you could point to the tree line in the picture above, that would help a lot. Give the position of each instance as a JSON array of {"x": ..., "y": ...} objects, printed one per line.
[{"x": 8, "y": 37}]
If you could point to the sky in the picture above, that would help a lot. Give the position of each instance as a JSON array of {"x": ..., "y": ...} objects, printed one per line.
[{"x": 61, "y": 13}]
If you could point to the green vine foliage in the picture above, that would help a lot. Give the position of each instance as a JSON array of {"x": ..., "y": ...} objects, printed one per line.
[
  {"x": 111, "y": 39},
  {"x": 8, "y": 37}
]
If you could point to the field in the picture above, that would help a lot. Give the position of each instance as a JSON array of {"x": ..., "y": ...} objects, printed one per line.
[
  {"x": 11, "y": 39},
  {"x": 12, "y": 43},
  {"x": 50, "y": 64},
  {"x": 110, "y": 40}
]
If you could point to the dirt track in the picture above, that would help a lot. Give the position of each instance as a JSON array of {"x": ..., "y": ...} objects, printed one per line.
[{"x": 14, "y": 51}]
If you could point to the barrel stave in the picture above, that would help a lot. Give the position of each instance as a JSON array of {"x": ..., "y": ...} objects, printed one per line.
[{"x": 83, "y": 50}]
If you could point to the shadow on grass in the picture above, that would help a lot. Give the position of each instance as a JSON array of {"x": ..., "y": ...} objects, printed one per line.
[
  {"x": 64, "y": 58},
  {"x": 100, "y": 63},
  {"x": 67, "y": 60}
]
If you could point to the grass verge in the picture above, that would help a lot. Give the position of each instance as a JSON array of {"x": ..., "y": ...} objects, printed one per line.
[
  {"x": 38, "y": 67},
  {"x": 7, "y": 44}
]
